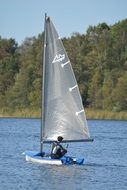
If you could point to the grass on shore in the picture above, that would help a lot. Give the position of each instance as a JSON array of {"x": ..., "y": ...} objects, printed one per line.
[
  {"x": 90, "y": 114},
  {"x": 24, "y": 113},
  {"x": 104, "y": 114}
]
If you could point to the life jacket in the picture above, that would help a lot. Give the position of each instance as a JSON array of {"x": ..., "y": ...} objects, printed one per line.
[{"x": 57, "y": 148}]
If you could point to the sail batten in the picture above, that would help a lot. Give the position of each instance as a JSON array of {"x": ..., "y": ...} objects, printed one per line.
[
  {"x": 62, "y": 104},
  {"x": 62, "y": 65}
]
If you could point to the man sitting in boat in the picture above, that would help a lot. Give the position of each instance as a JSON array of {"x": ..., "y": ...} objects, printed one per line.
[{"x": 57, "y": 150}]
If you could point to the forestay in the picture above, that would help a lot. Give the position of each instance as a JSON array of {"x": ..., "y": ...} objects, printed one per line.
[{"x": 63, "y": 112}]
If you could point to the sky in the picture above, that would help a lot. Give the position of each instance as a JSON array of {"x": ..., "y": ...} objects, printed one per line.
[{"x": 25, "y": 18}]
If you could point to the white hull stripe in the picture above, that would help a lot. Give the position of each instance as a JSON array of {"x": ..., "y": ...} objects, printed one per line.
[
  {"x": 62, "y": 65},
  {"x": 43, "y": 161},
  {"x": 70, "y": 89},
  {"x": 77, "y": 113}
]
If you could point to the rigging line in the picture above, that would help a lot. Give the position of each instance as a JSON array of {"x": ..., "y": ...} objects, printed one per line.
[{"x": 85, "y": 130}]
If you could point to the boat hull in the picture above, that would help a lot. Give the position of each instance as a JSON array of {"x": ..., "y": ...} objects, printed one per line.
[{"x": 36, "y": 157}]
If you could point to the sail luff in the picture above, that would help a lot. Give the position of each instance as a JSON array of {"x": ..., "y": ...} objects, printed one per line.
[{"x": 42, "y": 96}]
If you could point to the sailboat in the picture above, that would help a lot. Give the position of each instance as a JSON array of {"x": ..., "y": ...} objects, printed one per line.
[{"x": 62, "y": 109}]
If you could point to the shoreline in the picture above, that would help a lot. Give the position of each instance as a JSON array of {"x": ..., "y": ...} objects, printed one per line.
[{"x": 90, "y": 114}]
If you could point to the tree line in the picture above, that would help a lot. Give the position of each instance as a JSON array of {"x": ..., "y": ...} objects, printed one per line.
[{"x": 98, "y": 57}]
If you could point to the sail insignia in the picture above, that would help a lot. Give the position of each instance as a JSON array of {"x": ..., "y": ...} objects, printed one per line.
[{"x": 58, "y": 58}]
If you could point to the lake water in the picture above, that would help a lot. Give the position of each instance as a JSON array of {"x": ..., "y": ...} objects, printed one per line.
[{"x": 105, "y": 159}]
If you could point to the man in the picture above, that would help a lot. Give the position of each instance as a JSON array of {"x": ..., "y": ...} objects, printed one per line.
[{"x": 57, "y": 150}]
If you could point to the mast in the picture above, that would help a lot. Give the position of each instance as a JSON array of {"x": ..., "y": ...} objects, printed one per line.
[{"x": 42, "y": 91}]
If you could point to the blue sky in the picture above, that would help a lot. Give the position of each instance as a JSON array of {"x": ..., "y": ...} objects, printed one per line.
[{"x": 25, "y": 18}]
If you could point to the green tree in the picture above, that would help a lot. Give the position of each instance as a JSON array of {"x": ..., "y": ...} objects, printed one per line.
[
  {"x": 95, "y": 92},
  {"x": 107, "y": 102},
  {"x": 9, "y": 67},
  {"x": 120, "y": 93}
]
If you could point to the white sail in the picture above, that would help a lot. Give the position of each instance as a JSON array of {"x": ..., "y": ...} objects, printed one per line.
[{"x": 62, "y": 113}]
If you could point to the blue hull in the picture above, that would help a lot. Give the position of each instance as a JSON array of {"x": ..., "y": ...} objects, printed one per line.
[{"x": 44, "y": 158}]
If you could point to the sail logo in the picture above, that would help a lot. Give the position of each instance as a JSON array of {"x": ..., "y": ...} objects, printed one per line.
[{"x": 58, "y": 58}]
